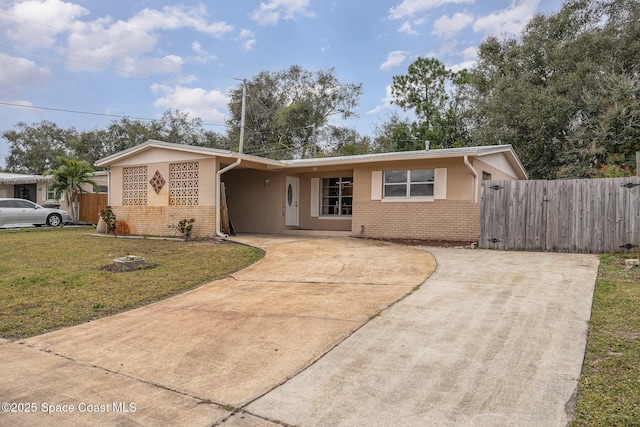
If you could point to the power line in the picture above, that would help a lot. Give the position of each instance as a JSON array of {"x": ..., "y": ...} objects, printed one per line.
[{"x": 63, "y": 110}]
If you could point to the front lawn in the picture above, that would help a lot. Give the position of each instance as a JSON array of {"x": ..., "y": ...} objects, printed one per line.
[
  {"x": 52, "y": 278},
  {"x": 609, "y": 389}
]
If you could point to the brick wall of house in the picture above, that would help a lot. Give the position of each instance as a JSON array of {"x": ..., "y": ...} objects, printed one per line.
[
  {"x": 456, "y": 220},
  {"x": 161, "y": 220}
]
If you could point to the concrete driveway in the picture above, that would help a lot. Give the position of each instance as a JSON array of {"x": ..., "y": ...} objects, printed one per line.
[
  {"x": 491, "y": 338},
  {"x": 194, "y": 358}
]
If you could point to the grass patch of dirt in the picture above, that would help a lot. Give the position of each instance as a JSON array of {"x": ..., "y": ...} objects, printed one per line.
[
  {"x": 609, "y": 389},
  {"x": 53, "y": 278}
]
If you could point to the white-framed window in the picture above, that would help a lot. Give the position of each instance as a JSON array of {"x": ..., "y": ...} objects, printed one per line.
[
  {"x": 336, "y": 196},
  {"x": 49, "y": 193},
  {"x": 416, "y": 183}
]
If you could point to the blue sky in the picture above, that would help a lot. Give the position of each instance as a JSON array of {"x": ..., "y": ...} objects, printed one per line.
[{"x": 140, "y": 57}]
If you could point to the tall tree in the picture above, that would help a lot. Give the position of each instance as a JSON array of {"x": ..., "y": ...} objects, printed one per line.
[
  {"x": 438, "y": 97},
  {"x": 536, "y": 91},
  {"x": 90, "y": 146},
  {"x": 69, "y": 179},
  {"x": 35, "y": 148},
  {"x": 285, "y": 109},
  {"x": 340, "y": 141},
  {"x": 395, "y": 134},
  {"x": 177, "y": 127},
  {"x": 126, "y": 133}
]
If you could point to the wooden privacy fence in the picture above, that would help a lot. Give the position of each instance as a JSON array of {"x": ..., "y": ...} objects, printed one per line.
[
  {"x": 90, "y": 205},
  {"x": 577, "y": 215}
]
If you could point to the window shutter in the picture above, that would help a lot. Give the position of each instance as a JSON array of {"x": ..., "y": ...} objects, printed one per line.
[
  {"x": 376, "y": 185},
  {"x": 440, "y": 184},
  {"x": 315, "y": 197}
]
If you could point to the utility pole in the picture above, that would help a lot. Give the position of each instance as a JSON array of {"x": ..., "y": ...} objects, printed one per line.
[
  {"x": 242, "y": 114},
  {"x": 315, "y": 142}
]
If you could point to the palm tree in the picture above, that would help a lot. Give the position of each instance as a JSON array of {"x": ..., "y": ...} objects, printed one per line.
[{"x": 69, "y": 179}]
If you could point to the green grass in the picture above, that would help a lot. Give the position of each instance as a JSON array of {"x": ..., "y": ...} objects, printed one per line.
[
  {"x": 52, "y": 278},
  {"x": 609, "y": 389}
]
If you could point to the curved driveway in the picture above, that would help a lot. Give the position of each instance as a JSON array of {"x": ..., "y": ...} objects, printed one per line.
[
  {"x": 490, "y": 339},
  {"x": 196, "y": 358}
]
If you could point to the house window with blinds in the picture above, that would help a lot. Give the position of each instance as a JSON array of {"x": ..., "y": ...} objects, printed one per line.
[{"x": 336, "y": 196}]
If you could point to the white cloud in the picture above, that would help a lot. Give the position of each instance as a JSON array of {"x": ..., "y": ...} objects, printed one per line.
[
  {"x": 470, "y": 53},
  {"x": 447, "y": 27},
  {"x": 271, "y": 12},
  {"x": 394, "y": 59},
  {"x": 407, "y": 28},
  {"x": 247, "y": 39},
  {"x": 24, "y": 21},
  {"x": 198, "y": 102},
  {"x": 508, "y": 21},
  {"x": 202, "y": 55},
  {"x": 411, "y": 8},
  {"x": 463, "y": 65},
  {"x": 18, "y": 73},
  {"x": 178, "y": 17},
  {"x": 386, "y": 102},
  {"x": 105, "y": 42}
]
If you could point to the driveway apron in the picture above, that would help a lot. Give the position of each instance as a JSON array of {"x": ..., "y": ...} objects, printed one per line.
[
  {"x": 198, "y": 358},
  {"x": 491, "y": 339}
]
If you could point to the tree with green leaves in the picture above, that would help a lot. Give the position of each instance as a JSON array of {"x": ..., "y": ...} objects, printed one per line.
[
  {"x": 341, "y": 141},
  {"x": 438, "y": 98},
  {"x": 35, "y": 148},
  {"x": 395, "y": 133},
  {"x": 69, "y": 179},
  {"x": 287, "y": 110},
  {"x": 548, "y": 92}
]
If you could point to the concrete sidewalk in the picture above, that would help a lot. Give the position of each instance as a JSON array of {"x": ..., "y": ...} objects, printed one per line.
[
  {"x": 492, "y": 339},
  {"x": 196, "y": 358}
]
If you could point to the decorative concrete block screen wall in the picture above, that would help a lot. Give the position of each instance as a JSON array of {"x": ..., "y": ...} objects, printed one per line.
[{"x": 155, "y": 199}]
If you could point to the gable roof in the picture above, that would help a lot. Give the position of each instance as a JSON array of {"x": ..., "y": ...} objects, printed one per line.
[{"x": 477, "y": 151}]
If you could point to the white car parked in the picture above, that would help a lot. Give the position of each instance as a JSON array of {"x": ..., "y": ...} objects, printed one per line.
[{"x": 17, "y": 212}]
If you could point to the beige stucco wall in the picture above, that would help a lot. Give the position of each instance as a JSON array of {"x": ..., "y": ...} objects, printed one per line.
[
  {"x": 253, "y": 206},
  {"x": 157, "y": 217},
  {"x": 6, "y": 191}
]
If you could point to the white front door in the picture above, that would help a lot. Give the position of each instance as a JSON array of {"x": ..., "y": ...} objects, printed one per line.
[{"x": 291, "y": 202}]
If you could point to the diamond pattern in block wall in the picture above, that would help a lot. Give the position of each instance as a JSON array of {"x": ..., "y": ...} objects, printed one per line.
[
  {"x": 134, "y": 182},
  {"x": 157, "y": 182},
  {"x": 183, "y": 184}
]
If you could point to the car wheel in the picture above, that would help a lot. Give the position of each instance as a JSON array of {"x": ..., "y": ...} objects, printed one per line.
[{"x": 54, "y": 220}]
